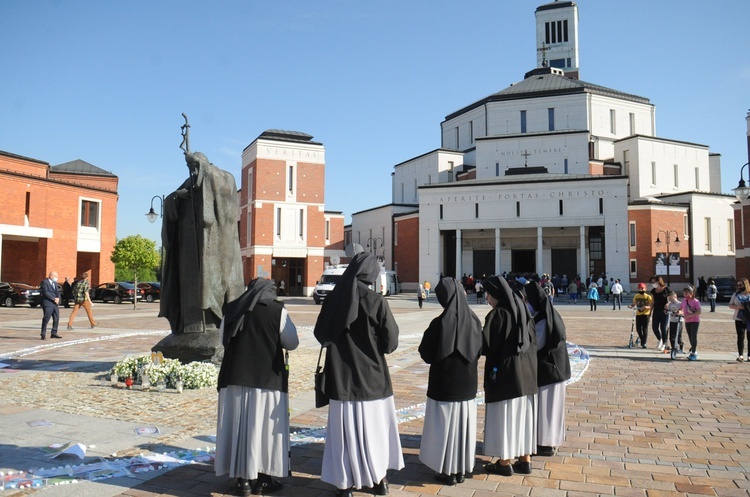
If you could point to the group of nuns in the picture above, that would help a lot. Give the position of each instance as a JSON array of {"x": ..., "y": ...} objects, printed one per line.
[{"x": 523, "y": 341}]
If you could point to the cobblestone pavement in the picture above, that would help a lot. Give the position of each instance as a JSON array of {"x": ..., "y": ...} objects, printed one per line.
[{"x": 638, "y": 424}]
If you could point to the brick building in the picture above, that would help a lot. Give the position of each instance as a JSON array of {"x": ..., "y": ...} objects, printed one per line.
[
  {"x": 285, "y": 232},
  {"x": 56, "y": 218},
  {"x": 742, "y": 216}
]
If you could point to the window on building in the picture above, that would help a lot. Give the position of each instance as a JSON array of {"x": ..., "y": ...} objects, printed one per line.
[
  {"x": 676, "y": 176},
  {"x": 302, "y": 223},
  {"x": 471, "y": 131},
  {"x": 395, "y": 233},
  {"x": 632, "y": 235},
  {"x": 601, "y": 205},
  {"x": 328, "y": 229},
  {"x": 707, "y": 228},
  {"x": 612, "y": 121},
  {"x": 402, "y": 192},
  {"x": 633, "y": 268},
  {"x": 626, "y": 162},
  {"x": 429, "y": 179},
  {"x": 476, "y": 211},
  {"x": 556, "y": 31},
  {"x": 560, "y": 207},
  {"x": 697, "y": 178},
  {"x": 687, "y": 267},
  {"x": 518, "y": 209},
  {"x": 632, "y": 124},
  {"x": 441, "y": 211},
  {"x": 450, "y": 170},
  {"x": 565, "y": 166},
  {"x": 27, "y": 209},
  {"x": 685, "y": 227},
  {"x": 523, "y": 121},
  {"x": 415, "y": 189},
  {"x": 653, "y": 173},
  {"x": 730, "y": 235},
  {"x": 497, "y": 169},
  {"x": 290, "y": 180},
  {"x": 457, "y": 138},
  {"x": 551, "y": 118},
  {"x": 278, "y": 221},
  {"x": 89, "y": 214}
]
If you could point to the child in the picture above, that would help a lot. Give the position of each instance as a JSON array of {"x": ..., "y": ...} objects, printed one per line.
[
  {"x": 674, "y": 308},
  {"x": 691, "y": 309},
  {"x": 642, "y": 301}
]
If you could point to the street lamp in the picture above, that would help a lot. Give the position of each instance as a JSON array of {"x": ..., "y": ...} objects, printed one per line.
[
  {"x": 742, "y": 191},
  {"x": 151, "y": 215},
  {"x": 667, "y": 234}
]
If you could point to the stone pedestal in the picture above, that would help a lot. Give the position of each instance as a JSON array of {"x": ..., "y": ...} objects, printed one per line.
[{"x": 189, "y": 347}]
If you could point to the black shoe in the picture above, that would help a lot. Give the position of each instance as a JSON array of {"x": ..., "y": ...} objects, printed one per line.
[
  {"x": 344, "y": 492},
  {"x": 499, "y": 469},
  {"x": 522, "y": 467},
  {"x": 266, "y": 485},
  {"x": 44, "y": 337},
  {"x": 460, "y": 478},
  {"x": 382, "y": 487},
  {"x": 545, "y": 450},
  {"x": 446, "y": 479},
  {"x": 244, "y": 487},
  {"x": 56, "y": 336}
]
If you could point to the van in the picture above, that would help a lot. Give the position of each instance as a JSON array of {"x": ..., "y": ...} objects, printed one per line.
[
  {"x": 327, "y": 281},
  {"x": 387, "y": 282}
]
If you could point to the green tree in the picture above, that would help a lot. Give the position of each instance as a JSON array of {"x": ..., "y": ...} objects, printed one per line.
[{"x": 137, "y": 256}]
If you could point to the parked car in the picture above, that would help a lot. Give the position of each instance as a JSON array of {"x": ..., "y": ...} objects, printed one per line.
[
  {"x": 116, "y": 292},
  {"x": 150, "y": 291},
  {"x": 12, "y": 294},
  {"x": 725, "y": 287}
]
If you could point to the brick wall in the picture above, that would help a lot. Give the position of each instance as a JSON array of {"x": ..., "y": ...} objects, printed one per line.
[
  {"x": 406, "y": 250},
  {"x": 648, "y": 224}
]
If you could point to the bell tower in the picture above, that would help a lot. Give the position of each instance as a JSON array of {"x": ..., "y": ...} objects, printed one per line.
[{"x": 557, "y": 37}]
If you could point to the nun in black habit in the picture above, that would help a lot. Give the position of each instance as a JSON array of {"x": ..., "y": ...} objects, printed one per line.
[
  {"x": 510, "y": 382},
  {"x": 358, "y": 328},
  {"x": 553, "y": 369},
  {"x": 451, "y": 346},
  {"x": 252, "y": 434}
]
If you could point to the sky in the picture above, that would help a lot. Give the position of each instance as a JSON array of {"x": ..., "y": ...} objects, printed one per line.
[{"x": 107, "y": 81}]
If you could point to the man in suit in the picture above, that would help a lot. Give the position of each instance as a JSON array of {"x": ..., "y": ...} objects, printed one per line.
[{"x": 50, "y": 301}]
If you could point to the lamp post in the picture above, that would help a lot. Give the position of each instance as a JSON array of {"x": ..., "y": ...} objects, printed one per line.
[
  {"x": 151, "y": 216},
  {"x": 667, "y": 234},
  {"x": 742, "y": 191}
]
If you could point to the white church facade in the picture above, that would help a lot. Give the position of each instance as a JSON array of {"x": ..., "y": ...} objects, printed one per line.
[{"x": 557, "y": 175}]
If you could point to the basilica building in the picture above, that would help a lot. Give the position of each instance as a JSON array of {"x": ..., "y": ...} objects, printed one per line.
[{"x": 556, "y": 175}]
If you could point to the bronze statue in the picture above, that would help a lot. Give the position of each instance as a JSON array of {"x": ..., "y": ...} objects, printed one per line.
[{"x": 202, "y": 268}]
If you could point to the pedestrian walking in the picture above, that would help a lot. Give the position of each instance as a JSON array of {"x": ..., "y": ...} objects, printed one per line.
[
  {"x": 81, "y": 298},
  {"x": 691, "y": 310},
  {"x": 659, "y": 317},
  {"x": 510, "y": 381},
  {"x": 50, "y": 302},
  {"x": 427, "y": 287},
  {"x": 740, "y": 303},
  {"x": 358, "y": 329},
  {"x": 643, "y": 302},
  {"x": 421, "y": 295},
  {"x": 616, "y": 295},
  {"x": 573, "y": 292},
  {"x": 252, "y": 433},
  {"x": 553, "y": 370},
  {"x": 451, "y": 346},
  {"x": 711, "y": 294},
  {"x": 67, "y": 293}
]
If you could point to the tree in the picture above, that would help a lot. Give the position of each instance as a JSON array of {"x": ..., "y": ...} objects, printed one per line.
[{"x": 136, "y": 254}]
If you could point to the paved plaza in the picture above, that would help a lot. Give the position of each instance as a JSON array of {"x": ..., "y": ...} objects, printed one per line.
[{"x": 638, "y": 423}]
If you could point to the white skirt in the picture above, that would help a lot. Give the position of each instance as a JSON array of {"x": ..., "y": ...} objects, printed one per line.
[
  {"x": 252, "y": 433},
  {"x": 362, "y": 443},
  {"x": 510, "y": 427},
  {"x": 449, "y": 436},
  {"x": 551, "y": 430}
]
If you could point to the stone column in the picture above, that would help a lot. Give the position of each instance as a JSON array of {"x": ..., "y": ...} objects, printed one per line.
[
  {"x": 584, "y": 268},
  {"x": 497, "y": 251},
  {"x": 539, "y": 250},
  {"x": 459, "y": 272}
]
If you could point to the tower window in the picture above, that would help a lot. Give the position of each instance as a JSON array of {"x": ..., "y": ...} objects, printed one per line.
[
  {"x": 551, "y": 118},
  {"x": 561, "y": 207},
  {"x": 523, "y": 121},
  {"x": 518, "y": 209}
]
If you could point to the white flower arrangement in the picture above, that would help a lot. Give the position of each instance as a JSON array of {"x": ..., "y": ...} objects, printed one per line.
[{"x": 193, "y": 375}]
